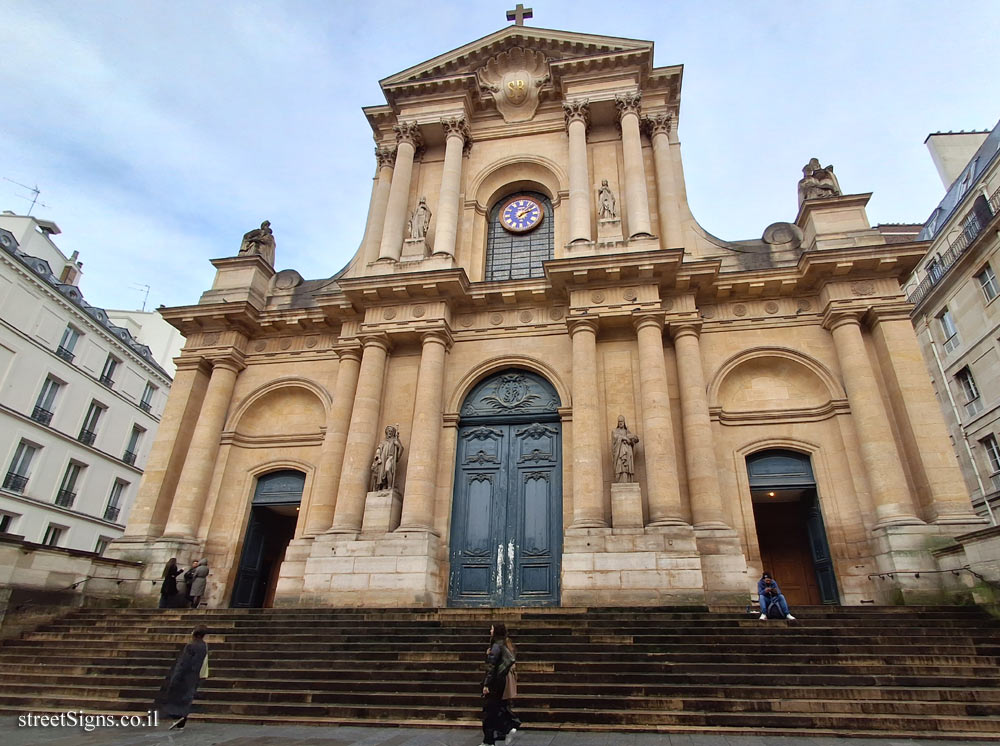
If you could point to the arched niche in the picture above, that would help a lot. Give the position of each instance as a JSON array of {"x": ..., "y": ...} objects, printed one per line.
[
  {"x": 285, "y": 406},
  {"x": 487, "y": 368}
]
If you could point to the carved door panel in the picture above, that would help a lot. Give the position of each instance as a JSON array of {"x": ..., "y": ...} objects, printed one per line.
[
  {"x": 249, "y": 576},
  {"x": 507, "y": 522}
]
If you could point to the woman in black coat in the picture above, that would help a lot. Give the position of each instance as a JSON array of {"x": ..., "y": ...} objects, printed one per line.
[
  {"x": 168, "y": 588},
  {"x": 182, "y": 682},
  {"x": 499, "y": 659}
]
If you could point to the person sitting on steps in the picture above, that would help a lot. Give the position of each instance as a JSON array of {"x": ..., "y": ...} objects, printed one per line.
[{"x": 769, "y": 594}]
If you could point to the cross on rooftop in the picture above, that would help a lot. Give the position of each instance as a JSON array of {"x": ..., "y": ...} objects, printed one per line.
[{"x": 519, "y": 14}]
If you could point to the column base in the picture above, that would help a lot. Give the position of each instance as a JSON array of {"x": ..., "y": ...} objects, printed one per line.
[
  {"x": 375, "y": 570},
  {"x": 632, "y": 567},
  {"x": 724, "y": 566},
  {"x": 589, "y": 524}
]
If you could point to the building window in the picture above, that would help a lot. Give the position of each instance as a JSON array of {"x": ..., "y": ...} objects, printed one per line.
[
  {"x": 53, "y": 534},
  {"x": 88, "y": 433},
  {"x": 948, "y": 330},
  {"x": 973, "y": 402},
  {"x": 68, "y": 343},
  {"x": 102, "y": 544},
  {"x": 67, "y": 489},
  {"x": 132, "y": 449},
  {"x": 7, "y": 522},
  {"x": 993, "y": 457},
  {"x": 17, "y": 475},
  {"x": 114, "y": 501},
  {"x": 45, "y": 404},
  {"x": 108, "y": 374},
  {"x": 146, "y": 404},
  {"x": 512, "y": 255},
  {"x": 988, "y": 282}
]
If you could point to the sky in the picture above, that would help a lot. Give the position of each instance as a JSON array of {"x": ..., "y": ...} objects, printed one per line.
[{"x": 160, "y": 132}]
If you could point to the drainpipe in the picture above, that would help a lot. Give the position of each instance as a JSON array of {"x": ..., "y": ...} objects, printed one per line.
[{"x": 961, "y": 427}]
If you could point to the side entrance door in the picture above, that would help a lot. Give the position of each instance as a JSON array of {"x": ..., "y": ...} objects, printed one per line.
[{"x": 506, "y": 530}]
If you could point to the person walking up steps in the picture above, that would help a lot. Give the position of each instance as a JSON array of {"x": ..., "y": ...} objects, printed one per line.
[
  {"x": 183, "y": 680},
  {"x": 499, "y": 660}
]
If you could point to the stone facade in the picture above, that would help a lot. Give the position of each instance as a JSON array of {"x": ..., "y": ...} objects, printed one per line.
[{"x": 713, "y": 351}]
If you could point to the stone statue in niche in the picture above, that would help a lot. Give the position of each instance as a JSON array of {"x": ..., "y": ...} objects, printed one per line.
[
  {"x": 623, "y": 451},
  {"x": 259, "y": 241},
  {"x": 607, "y": 208},
  {"x": 420, "y": 220},
  {"x": 817, "y": 182},
  {"x": 387, "y": 455}
]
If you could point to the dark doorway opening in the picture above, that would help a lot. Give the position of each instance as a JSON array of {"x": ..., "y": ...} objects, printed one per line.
[
  {"x": 273, "y": 517},
  {"x": 790, "y": 530}
]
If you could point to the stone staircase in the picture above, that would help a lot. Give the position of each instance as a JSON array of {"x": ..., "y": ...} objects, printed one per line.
[{"x": 884, "y": 671}]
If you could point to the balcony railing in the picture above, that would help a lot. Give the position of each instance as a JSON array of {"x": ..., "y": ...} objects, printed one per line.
[
  {"x": 15, "y": 482},
  {"x": 107, "y": 381},
  {"x": 41, "y": 414},
  {"x": 65, "y": 498},
  {"x": 111, "y": 513},
  {"x": 87, "y": 437},
  {"x": 65, "y": 354},
  {"x": 937, "y": 272},
  {"x": 145, "y": 406},
  {"x": 129, "y": 457}
]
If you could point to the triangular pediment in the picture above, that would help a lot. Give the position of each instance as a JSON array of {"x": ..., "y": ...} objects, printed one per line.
[{"x": 555, "y": 45}]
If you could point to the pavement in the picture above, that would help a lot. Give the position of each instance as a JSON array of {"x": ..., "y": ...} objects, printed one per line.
[{"x": 221, "y": 734}]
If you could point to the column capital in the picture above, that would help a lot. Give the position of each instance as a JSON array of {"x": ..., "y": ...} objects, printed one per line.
[
  {"x": 628, "y": 103},
  {"x": 376, "y": 340},
  {"x": 577, "y": 110},
  {"x": 408, "y": 132},
  {"x": 889, "y": 312},
  {"x": 642, "y": 319},
  {"x": 657, "y": 123},
  {"x": 350, "y": 351},
  {"x": 192, "y": 362},
  {"x": 581, "y": 324},
  {"x": 458, "y": 127},
  {"x": 233, "y": 360},
  {"x": 437, "y": 336},
  {"x": 835, "y": 318},
  {"x": 688, "y": 328},
  {"x": 385, "y": 156}
]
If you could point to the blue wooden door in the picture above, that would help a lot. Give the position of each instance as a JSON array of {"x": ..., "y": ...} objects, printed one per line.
[{"x": 506, "y": 531}]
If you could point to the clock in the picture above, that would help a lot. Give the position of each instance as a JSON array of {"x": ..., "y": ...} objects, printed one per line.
[{"x": 521, "y": 214}]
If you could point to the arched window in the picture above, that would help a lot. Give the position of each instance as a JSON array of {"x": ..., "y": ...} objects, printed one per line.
[{"x": 514, "y": 255}]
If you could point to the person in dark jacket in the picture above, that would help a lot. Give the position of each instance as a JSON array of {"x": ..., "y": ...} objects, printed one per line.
[
  {"x": 499, "y": 660},
  {"x": 168, "y": 588},
  {"x": 768, "y": 592},
  {"x": 183, "y": 679}
]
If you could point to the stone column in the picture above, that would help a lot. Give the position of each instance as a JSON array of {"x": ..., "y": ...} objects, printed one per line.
[
  {"x": 380, "y": 199},
  {"x": 636, "y": 202},
  {"x": 577, "y": 120},
  {"x": 331, "y": 455},
  {"x": 699, "y": 448},
  {"x": 456, "y": 136},
  {"x": 886, "y": 479},
  {"x": 361, "y": 437},
  {"x": 166, "y": 458},
  {"x": 658, "y": 126},
  {"x": 588, "y": 474},
  {"x": 407, "y": 141},
  {"x": 663, "y": 489},
  {"x": 192, "y": 488},
  {"x": 421, "y": 467}
]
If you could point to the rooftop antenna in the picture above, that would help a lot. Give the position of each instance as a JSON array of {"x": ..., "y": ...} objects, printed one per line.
[
  {"x": 35, "y": 191},
  {"x": 145, "y": 297}
]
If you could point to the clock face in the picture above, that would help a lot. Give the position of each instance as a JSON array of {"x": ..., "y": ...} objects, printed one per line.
[{"x": 521, "y": 215}]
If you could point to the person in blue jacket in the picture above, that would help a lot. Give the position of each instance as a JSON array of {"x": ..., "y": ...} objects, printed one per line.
[{"x": 768, "y": 592}]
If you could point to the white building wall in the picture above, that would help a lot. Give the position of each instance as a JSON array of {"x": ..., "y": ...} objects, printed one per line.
[{"x": 33, "y": 317}]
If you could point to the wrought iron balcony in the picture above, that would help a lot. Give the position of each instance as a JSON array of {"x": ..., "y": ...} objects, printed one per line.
[
  {"x": 41, "y": 414},
  {"x": 107, "y": 381},
  {"x": 87, "y": 437},
  {"x": 129, "y": 457},
  {"x": 111, "y": 513},
  {"x": 65, "y": 354},
  {"x": 15, "y": 482},
  {"x": 144, "y": 406},
  {"x": 65, "y": 498},
  {"x": 974, "y": 226}
]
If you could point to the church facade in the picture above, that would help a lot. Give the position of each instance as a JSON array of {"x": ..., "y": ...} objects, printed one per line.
[{"x": 540, "y": 381}]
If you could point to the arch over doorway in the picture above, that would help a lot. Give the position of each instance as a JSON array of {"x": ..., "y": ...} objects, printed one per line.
[
  {"x": 274, "y": 512},
  {"x": 790, "y": 529},
  {"x": 506, "y": 527}
]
